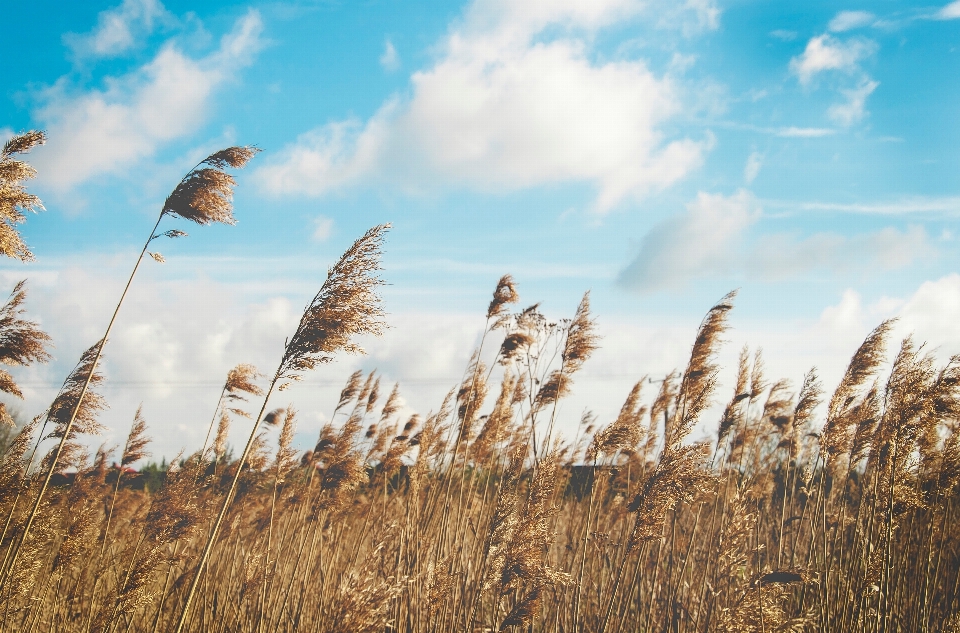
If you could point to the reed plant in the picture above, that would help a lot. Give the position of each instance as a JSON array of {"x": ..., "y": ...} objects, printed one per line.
[
  {"x": 449, "y": 522},
  {"x": 806, "y": 510}
]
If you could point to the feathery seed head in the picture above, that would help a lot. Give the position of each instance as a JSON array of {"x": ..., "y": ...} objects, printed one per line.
[
  {"x": 581, "y": 337},
  {"x": 242, "y": 379},
  {"x": 22, "y": 342},
  {"x": 85, "y": 421},
  {"x": 835, "y": 438},
  {"x": 286, "y": 455},
  {"x": 223, "y": 431},
  {"x": 137, "y": 440},
  {"x": 505, "y": 293},
  {"x": 14, "y": 199},
  {"x": 5, "y": 418},
  {"x": 392, "y": 404},
  {"x": 374, "y": 395},
  {"x": 346, "y": 306},
  {"x": 24, "y": 142},
  {"x": 273, "y": 417},
  {"x": 411, "y": 424},
  {"x": 350, "y": 389},
  {"x": 236, "y": 157},
  {"x": 204, "y": 195}
]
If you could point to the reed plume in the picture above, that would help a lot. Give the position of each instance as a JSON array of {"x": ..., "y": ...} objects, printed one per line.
[
  {"x": 835, "y": 438},
  {"x": 14, "y": 199},
  {"x": 624, "y": 432},
  {"x": 22, "y": 342},
  {"x": 504, "y": 294},
  {"x": 134, "y": 450},
  {"x": 581, "y": 341}
]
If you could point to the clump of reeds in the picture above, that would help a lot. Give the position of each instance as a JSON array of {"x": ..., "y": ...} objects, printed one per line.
[{"x": 807, "y": 518}]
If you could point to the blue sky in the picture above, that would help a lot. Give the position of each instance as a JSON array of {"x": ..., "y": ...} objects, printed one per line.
[{"x": 658, "y": 154}]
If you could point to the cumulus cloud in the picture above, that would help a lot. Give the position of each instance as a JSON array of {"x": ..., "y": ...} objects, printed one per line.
[
  {"x": 855, "y": 107},
  {"x": 825, "y": 52},
  {"x": 118, "y": 29},
  {"x": 713, "y": 238},
  {"x": 849, "y": 20},
  {"x": 933, "y": 311},
  {"x": 503, "y": 109},
  {"x": 929, "y": 314},
  {"x": 106, "y": 130}
]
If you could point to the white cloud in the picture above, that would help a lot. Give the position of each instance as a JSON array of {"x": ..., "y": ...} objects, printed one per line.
[
  {"x": 853, "y": 110},
  {"x": 322, "y": 228},
  {"x": 503, "y": 110},
  {"x": 804, "y": 132},
  {"x": 784, "y": 35},
  {"x": 828, "y": 53},
  {"x": 693, "y": 243},
  {"x": 949, "y": 206},
  {"x": 849, "y": 20},
  {"x": 933, "y": 311},
  {"x": 335, "y": 156},
  {"x": 752, "y": 168},
  {"x": 105, "y": 131},
  {"x": 950, "y": 11},
  {"x": 390, "y": 59},
  {"x": 119, "y": 29},
  {"x": 929, "y": 314},
  {"x": 712, "y": 238},
  {"x": 178, "y": 335},
  {"x": 783, "y": 255}
]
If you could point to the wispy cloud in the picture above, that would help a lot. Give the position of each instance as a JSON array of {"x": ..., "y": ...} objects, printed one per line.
[
  {"x": 119, "y": 29},
  {"x": 106, "y": 131},
  {"x": 849, "y": 20},
  {"x": 803, "y": 132},
  {"x": 784, "y": 35},
  {"x": 949, "y": 206},
  {"x": 322, "y": 228},
  {"x": 791, "y": 131},
  {"x": 752, "y": 168},
  {"x": 390, "y": 59},
  {"x": 853, "y": 110}
]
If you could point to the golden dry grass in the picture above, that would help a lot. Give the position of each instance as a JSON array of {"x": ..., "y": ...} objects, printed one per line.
[
  {"x": 454, "y": 523},
  {"x": 480, "y": 516}
]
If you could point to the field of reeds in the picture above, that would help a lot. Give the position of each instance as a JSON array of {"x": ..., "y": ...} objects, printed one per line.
[{"x": 811, "y": 509}]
